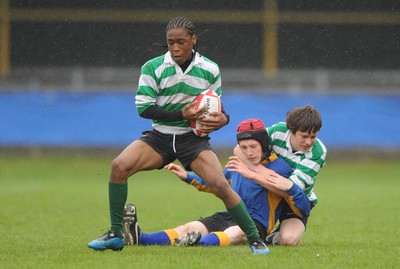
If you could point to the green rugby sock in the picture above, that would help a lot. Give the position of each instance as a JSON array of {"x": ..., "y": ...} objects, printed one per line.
[
  {"x": 243, "y": 219},
  {"x": 118, "y": 193}
]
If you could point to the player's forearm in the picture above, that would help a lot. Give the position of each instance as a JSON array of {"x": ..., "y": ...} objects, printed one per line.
[
  {"x": 260, "y": 179},
  {"x": 279, "y": 184},
  {"x": 156, "y": 113}
]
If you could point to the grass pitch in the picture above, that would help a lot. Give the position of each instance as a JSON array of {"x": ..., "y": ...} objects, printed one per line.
[{"x": 53, "y": 205}]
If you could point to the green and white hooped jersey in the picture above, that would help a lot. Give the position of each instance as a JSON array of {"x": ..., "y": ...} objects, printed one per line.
[
  {"x": 306, "y": 165},
  {"x": 163, "y": 83}
]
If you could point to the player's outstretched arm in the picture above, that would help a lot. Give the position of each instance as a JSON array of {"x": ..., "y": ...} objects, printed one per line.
[{"x": 189, "y": 178}]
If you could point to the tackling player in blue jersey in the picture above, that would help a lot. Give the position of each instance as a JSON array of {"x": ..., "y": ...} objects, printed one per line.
[{"x": 220, "y": 229}]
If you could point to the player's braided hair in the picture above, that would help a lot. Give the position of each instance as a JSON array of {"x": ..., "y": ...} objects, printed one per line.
[{"x": 180, "y": 22}]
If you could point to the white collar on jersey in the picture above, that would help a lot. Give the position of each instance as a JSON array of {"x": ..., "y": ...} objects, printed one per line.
[{"x": 168, "y": 58}]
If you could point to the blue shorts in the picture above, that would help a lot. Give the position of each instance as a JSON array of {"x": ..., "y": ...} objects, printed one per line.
[{"x": 184, "y": 147}]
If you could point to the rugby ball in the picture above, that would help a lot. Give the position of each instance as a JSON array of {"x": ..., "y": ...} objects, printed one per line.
[{"x": 210, "y": 99}]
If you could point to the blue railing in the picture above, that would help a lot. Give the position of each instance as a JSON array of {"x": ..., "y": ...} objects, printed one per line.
[{"x": 109, "y": 119}]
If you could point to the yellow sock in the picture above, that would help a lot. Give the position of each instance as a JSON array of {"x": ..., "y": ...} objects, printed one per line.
[
  {"x": 223, "y": 239},
  {"x": 172, "y": 234}
]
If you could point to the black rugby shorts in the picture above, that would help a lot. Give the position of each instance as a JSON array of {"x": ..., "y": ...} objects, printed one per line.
[{"x": 185, "y": 147}]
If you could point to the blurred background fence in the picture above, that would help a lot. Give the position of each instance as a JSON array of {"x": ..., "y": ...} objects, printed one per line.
[{"x": 69, "y": 69}]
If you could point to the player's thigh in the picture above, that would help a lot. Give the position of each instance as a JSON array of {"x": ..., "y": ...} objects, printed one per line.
[
  {"x": 236, "y": 235},
  {"x": 138, "y": 156},
  {"x": 208, "y": 167}
]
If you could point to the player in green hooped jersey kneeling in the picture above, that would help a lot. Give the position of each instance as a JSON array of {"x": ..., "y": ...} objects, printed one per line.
[{"x": 296, "y": 142}]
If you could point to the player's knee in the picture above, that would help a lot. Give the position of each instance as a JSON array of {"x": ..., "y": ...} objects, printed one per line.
[
  {"x": 288, "y": 240},
  {"x": 222, "y": 191},
  {"x": 182, "y": 229},
  {"x": 188, "y": 228},
  {"x": 119, "y": 171},
  {"x": 191, "y": 226},
  {"x": 116, "y": 166}
]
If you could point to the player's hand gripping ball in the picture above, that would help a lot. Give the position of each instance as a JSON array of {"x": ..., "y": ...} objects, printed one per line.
[{"x": 210, "y": 99}]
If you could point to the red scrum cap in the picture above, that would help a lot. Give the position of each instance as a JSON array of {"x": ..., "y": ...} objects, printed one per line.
[{"x": 254, "y": 129}]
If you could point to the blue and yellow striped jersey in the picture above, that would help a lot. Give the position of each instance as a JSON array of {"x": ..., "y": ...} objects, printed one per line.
[{"x": 262, "y": 205}]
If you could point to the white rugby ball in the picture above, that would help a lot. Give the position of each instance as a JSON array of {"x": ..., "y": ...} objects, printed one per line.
[{"x": 210, "y": 99}]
